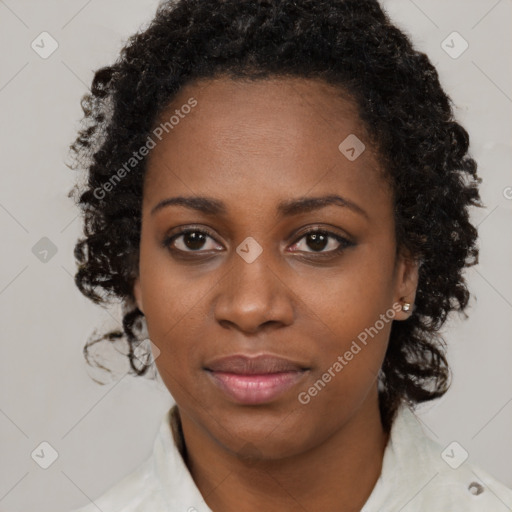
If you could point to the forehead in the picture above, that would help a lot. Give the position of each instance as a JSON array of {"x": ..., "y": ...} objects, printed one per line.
[{"x": 253, "y": 138}]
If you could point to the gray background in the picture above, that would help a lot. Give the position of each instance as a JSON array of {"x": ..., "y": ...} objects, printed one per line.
[{"x": 102, "y": 432}]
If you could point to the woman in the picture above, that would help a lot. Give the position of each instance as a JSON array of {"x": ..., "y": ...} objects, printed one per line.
[{"x": 279, "y": 192}]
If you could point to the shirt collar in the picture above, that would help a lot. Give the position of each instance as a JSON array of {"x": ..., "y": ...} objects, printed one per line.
[
  {"x": 176, "y": 483},
  {"x": 181, "y": 493},
  {"x": 400, "y": 473}
]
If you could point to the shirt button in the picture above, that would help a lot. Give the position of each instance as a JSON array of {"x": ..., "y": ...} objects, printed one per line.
[{"x": 475, "y": 488}]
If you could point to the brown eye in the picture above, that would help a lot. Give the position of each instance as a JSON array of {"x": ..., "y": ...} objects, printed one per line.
[
  {"x": 191, "y": 240},
  {"x": 317, "y": 240},
  {"x": 194, "y": 240}
]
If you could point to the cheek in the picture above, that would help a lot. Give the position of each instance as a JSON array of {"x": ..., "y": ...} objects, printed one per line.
[
  {"x": 353, "y": 310},
  {"x": 170, "y": 293},
  {"x": 174, "y": 318},
  {"x": 351, "y": 297},
  {"x": 174, "y": 312},
  {"x": 350, "y": 358}
]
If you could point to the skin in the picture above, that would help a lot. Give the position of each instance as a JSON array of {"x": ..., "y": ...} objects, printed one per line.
[{"x": 252, "y": 145}]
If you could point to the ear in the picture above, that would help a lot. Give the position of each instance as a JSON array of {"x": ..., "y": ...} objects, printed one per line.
[
  {"x": 406, "y": 283},
  {"x": 138, "y": 294}
]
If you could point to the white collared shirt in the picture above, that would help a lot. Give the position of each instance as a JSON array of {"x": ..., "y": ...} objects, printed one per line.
[{"x": 417, "y": 476}]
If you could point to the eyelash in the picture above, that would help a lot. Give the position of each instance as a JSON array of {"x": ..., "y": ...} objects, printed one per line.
[{"x": 344, "y": 242}]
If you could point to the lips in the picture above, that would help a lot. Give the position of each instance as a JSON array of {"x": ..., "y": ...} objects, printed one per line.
[
  {"x": 254, "y": 380},
  {"x": 254, "y": 365}
]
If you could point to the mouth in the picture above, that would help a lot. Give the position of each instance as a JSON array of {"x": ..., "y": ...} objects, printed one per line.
[{"x": 254, "y": 380}]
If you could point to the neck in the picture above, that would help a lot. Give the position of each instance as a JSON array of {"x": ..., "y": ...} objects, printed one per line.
[{"x": 342, "y": 471}]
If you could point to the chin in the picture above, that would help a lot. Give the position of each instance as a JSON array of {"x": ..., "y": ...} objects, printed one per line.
[{"x": 264, "y": 437}]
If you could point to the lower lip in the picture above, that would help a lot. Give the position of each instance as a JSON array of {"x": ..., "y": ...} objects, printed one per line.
[{"x": 255, "y": 389}]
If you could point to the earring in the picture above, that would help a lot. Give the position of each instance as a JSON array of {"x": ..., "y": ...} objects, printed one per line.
[{"x": 406, "y": 306}]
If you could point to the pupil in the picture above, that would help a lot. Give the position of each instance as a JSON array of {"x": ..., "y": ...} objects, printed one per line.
[
  {"x": 318, "y": 241},
  {"x": 194, "y": 240}
]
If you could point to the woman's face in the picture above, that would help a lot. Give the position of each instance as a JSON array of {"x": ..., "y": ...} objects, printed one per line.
[{"x": 248, "y": 280}]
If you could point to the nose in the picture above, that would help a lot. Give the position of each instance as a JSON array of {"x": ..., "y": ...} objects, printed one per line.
[{"x": 253, "y": 296}]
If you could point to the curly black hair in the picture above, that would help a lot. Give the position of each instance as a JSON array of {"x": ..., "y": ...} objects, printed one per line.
[{"x": 351, "y": 44}]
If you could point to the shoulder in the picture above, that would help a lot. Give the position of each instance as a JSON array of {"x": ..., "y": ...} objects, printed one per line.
[
  {"x": 445, "y": 477},
  {"x": 136, "y": 492},
  {"x": 161, "y": 483},
  {"x": 459, "y": 484},
  {"x": 418, "y": 474}
]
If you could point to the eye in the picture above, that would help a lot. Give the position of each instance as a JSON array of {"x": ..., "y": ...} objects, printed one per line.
[
  {"x": 320, "y": 239},
  {"x": 191, "y": 240}
]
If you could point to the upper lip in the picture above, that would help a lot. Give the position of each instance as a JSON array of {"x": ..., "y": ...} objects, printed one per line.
[{"x": 252, "y": 365}]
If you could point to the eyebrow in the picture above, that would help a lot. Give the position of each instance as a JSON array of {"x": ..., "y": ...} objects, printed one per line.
[{"x": 211, "y": 206}]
